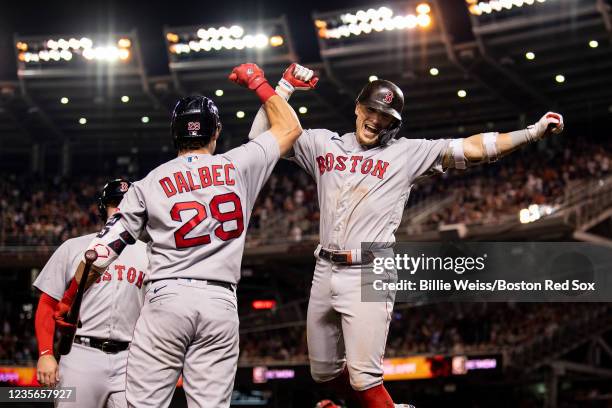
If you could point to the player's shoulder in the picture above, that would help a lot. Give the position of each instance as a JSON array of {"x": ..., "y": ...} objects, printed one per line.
[
  {"x": 321, "y": 133},
  {"x": 78, "y": 243},
  {"x": 162, "y": 168}
]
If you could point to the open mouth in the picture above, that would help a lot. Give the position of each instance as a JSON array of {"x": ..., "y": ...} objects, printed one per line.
[{"x": 371, "y": 129}]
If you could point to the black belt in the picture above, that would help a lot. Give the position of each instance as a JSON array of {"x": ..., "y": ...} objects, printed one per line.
[
  {"x": 345, "y": 257},
  {"x": 222, "y": 284},
  {"x": 106, "y": 345}
]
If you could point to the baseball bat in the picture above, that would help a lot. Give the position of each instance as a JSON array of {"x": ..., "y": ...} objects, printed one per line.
[{"x": 67, "y": 338}]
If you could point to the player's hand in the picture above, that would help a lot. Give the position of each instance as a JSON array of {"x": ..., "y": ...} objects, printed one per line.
[
  {"x": 551, "y": 122},
  {"x": 248, "y": 75},
  {"x": 47, "y": 370},
  {"x": 300, "y": 77},
  {"x": 61, "y": 311}
]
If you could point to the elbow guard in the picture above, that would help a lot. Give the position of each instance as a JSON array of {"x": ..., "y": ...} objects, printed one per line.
[{"x": 110, "y": 242}]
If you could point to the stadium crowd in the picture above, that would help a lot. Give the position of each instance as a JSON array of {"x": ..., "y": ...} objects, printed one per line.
[
  {"x": 443, "y": 328},
  {"x": 17, "y": 340},
  {"x": 43, "y": 211}
]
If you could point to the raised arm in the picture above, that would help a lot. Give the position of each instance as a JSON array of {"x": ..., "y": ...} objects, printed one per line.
[
  {"x": 489, "y": 147},
  {"x": 295, "y": 77}
]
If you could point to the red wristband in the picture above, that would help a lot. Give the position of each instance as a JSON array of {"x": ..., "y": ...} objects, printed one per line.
[
  {"x": 265, "y": 92},
  {"x": 44, "y": 324}
]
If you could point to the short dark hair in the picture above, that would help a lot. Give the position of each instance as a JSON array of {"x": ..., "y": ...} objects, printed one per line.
[{"x": 184, "y": 145}]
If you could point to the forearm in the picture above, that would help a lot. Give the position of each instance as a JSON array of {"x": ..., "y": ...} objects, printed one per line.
[
  {"x": 109, "y": 243},
  {"x": 284, "y": 123},
  {"x": 491, "y": 146},
  {"x": 261, "y": 123},
  {"x": 44, "y": 324}
]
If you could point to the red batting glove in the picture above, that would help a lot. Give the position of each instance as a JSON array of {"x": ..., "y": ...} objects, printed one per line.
[
  {"x": 300, "y": 77},
  {"x": 248, "y": 75},
  {"x": 61, "y": 311},
  {"x": 251, "y": 76}
]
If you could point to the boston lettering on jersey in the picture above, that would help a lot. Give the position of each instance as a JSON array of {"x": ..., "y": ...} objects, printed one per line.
[
  {"x": 352, "y": 164},
  {"x": 206, "y": 176},
  {"x": 124, "y": 273}
]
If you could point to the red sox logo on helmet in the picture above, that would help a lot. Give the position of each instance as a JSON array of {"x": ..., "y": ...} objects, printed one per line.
[
  {"x": 123, "y": 187},
  {"x": 193, "y": 126},
  {"x": 388, "y": 98}
]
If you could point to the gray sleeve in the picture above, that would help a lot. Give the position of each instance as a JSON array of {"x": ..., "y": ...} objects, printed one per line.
[
  {"x": 133, "y": 209},
  {"x": 425, "y": 157},
  {"x": 304, "y": 150},
  {"x": 57, "y": 272},
  {"x": 254, "y": 162},
  {"x": 260, "y": 123}
]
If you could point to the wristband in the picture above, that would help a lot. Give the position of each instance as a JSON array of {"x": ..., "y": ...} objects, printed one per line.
[
  {"x": 284, "y": 89},
  {"x": 520, "y": 137},
  {"x": 264, "y": 92}
]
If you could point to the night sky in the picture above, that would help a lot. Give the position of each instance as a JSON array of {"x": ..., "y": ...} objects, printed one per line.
[{"x": 87, "y": 17}]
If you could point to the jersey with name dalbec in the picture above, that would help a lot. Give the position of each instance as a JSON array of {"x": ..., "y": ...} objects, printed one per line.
[
  {"x": 111, "y": 306},
  {"x": 363, "y": 192},
  {"x": 196, "y": 208}
]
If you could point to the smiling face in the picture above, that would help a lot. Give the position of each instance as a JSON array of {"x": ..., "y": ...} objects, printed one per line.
[{"x": 370, "y": 122}]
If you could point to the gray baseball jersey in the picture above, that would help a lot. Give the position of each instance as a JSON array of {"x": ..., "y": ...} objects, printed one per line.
[
  {"x": 196, "y": 208},
  {"x": 363, "y": 192},
  {"x": 362, "y": 195},
  {"x": 112, "y": 304}
]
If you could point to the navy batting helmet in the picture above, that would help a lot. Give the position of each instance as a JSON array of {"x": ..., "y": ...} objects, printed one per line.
[
  {"x": 112, "y": 193},
  {"x": 386, "y": 97},
  {"x": 195, "y": 118}
]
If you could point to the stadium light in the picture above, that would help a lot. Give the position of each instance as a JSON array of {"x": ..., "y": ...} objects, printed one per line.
[
  {"x": 219, "y": 92},
  {"x": 496, "y": 6},
  {"x": 145, "y": 119},
  {"x": 377, "y": 20},
  {"x": 423, "y": 8},
  {"x": 82, "y": 121},
  {"x": 372, "y": 78},
  {"x": 530, "y": 55},
  {"x": 560, "y": 78},
  {"x": 125, "y": 99},
  {"x": 55, "y": 50},
  {"x": 207, "y": 39},
  {"x": 240, "y": 114},
  {"x": 433, "y": 71},
  {"x": 461, "y": 93},
  {"x": 593, "y": 44},
  {"x": 64, "y": 100},
  {"x": 276, "y": 41},
  {"x": 303, "y": 110}
]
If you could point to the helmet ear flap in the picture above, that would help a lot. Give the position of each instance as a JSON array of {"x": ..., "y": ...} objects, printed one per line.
[{"x": 386, "y": 135}]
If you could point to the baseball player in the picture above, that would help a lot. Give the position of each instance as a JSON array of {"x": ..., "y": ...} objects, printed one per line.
[
  {"x": 97, "y": 363},
  {"x": 363, "y": 180},
  {"x": 195, "y": 209}
]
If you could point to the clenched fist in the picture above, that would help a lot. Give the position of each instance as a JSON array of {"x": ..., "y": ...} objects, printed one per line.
[
  {"x": 296, "y": 77},
  {"x": 248, "y": 75},
  {"x": 300, "y": 77},
  {"x": 551, "y": 122}
]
